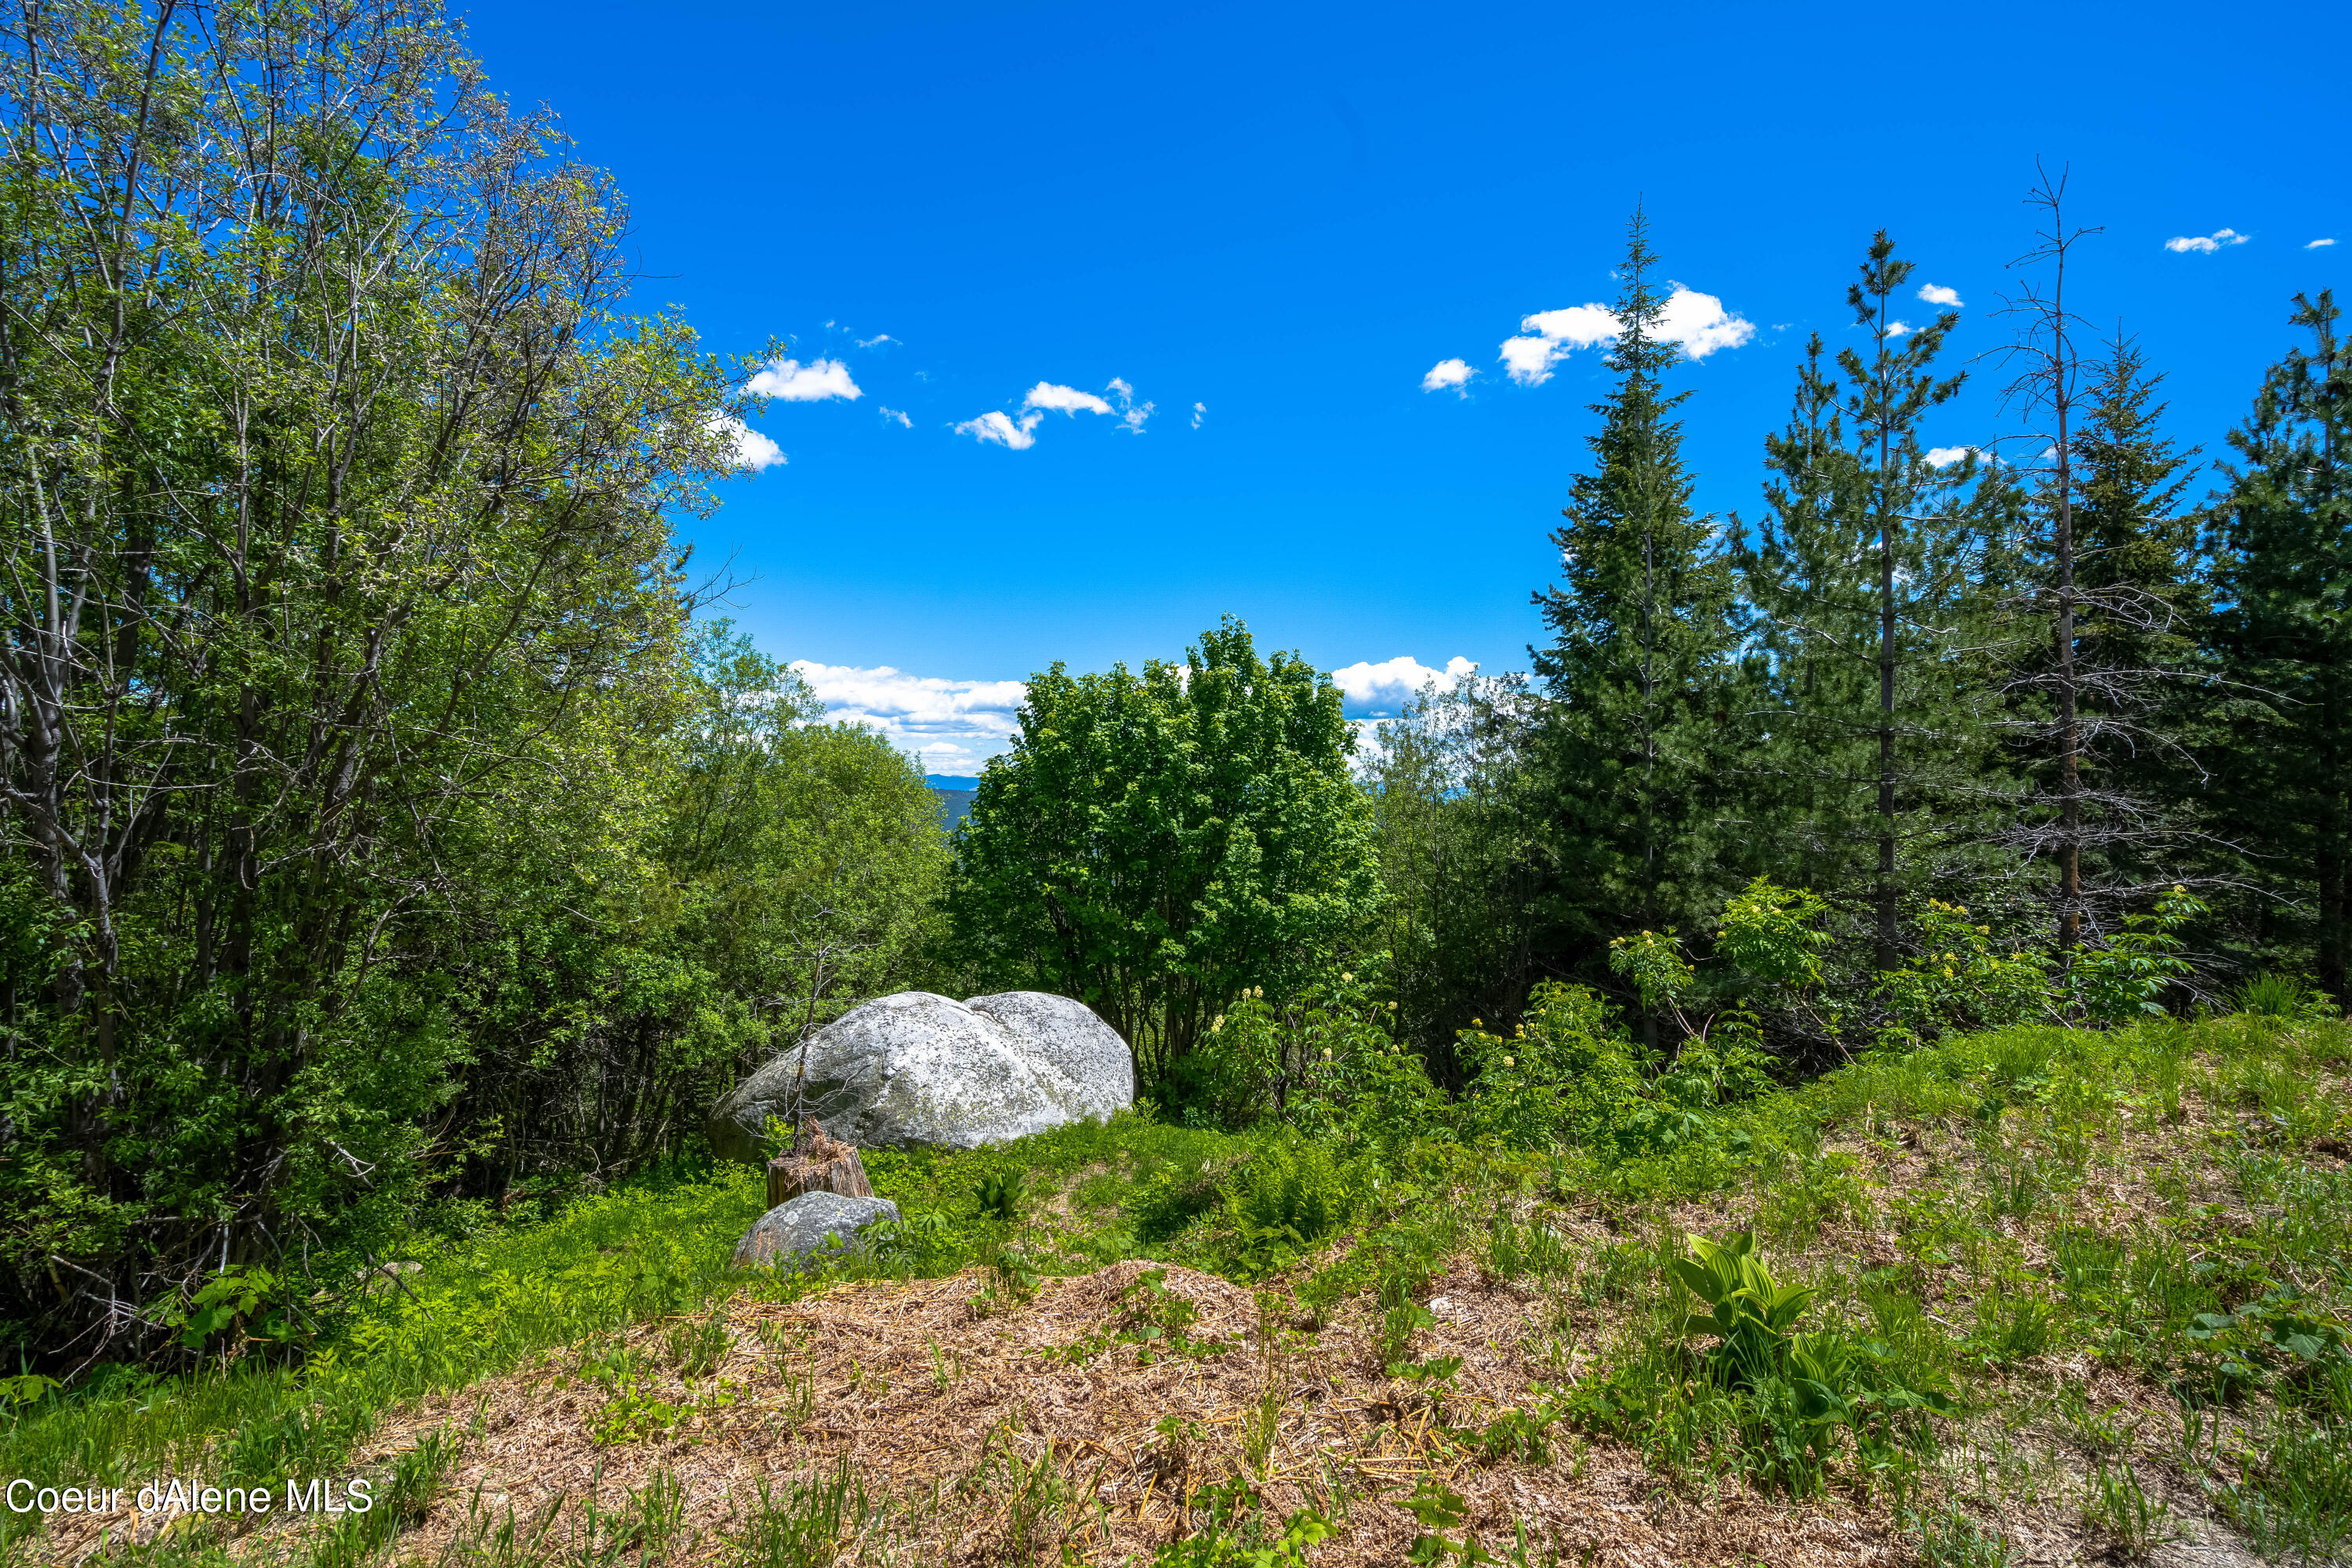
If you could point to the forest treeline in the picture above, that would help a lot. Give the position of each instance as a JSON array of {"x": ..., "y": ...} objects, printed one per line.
[
  {"x": 1997, "y": 708},
  {"x": 394, "y": 839}
]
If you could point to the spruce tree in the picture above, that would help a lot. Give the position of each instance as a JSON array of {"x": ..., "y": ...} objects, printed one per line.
[
  {"x": 2142, "y": 595},
  {"x": 2139, "y": 566},
  {"x": 1875, "y": 574},
  {"x": 2283, "y": 580},
  {"x": 1641, "y": 642}
]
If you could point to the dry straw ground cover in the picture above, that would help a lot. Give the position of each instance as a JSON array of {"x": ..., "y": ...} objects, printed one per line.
[{"x": 971, "y": 1436}]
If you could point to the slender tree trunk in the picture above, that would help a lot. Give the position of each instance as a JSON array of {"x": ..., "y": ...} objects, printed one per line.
[
  {"x": 2334, "y": 955},
  {"x": 1883, "y": 894},
  {"x": 2070, "y": 739}
]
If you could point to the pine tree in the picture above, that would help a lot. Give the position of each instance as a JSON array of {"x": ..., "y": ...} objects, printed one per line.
[
  {"x": 2283, "y": 577},
  {"x": 1875, "y": 577},
  {"x": 1641, "y": 642}
]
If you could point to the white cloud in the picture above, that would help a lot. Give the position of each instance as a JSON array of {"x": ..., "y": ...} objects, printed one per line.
[
  {"x": 1449, "y": 373},
  {"x": 1944, "y": 457},
  {"x": 1063, "y": 399},
  {"x": 1048, "y": 396},
  {"x": 1200, "y": 411},
  {"x": 753, "y": 451},
  {"x": 900, "y": 416},
  {"x": 1698, "y": 321},
  {"x": 1937, "y": 294},
  {"x": 1529, "y": 361},
  {"x": 1001, "y": 430},
  {"x": 953, "y": 725},
  {"x": 2319, "y": 244},
  {"x": 1547, "y": 338},
  {"x": 2206, "y": 244},
  {"x": 792, "y": 382},
  {"x": 1131, "y": 414},
  {"x": 1379, "y": 691},
  {"x": 1579, "y": 326},
  {"x": 876, "y": 340},
  {"x": 1900, "y": 329}
]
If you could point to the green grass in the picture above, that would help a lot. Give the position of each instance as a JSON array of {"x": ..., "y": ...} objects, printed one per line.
[
  {"x": 648, "y": 1251},
  {"x": 2223, "y": 1288},
  {"x": 653, "y": 1250}
]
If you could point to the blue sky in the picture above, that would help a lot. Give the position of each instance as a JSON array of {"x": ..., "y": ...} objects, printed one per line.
[{"x": 1269, "y": 222}]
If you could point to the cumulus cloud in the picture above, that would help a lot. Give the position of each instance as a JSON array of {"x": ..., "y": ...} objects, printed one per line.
[
  {"x": 1937, "y": 294},
  {"x": 1899, "y": 328},
  {"x": 1379, "y": 691},
  {"x": 753, "y": 451},
  {"x": 1063, "y": 399},
  {"x": 1550, "y": 336},
  {"x": 1002, "y": 429},
  {"x": 953, "y": 725},
  {"x": 1944, "y": 457},
  {"x": 792, "y": 382},
  {"x": 2319, "y": 244},
  {"x": 1579, "y": 326},
  {"x": 2206, "y": 244},
  {"x": 876, "y": 340},
  {"x": 1449, "y": 373},
  {"x": 900, "y": 416},
  {"x": 1698, "y": 321},
  {"x": 1200, "y": 411}
]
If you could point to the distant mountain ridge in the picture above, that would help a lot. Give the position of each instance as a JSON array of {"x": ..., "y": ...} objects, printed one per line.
[{"x": 955, "y": 796}]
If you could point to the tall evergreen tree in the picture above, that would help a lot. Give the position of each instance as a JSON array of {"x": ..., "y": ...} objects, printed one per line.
[
  {"x": 1641, "y": 640},
  {"x": 1874, "y": 575},
  {"x": 2139, "y": 564},
  {"x": 2141, "y": 594},
  {"x": 2284, "y": 575}
]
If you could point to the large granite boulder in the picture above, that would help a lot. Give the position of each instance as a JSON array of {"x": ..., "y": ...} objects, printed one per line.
[
  {"x": 916, "y": 1069},
  {"x": 814, "y": 1225}
]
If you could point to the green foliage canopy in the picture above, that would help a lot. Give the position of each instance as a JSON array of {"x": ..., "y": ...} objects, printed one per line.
[{"x": 1156, "y": 843}]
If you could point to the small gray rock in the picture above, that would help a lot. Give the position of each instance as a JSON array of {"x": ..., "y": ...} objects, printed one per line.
[
  {"x": 824, "y": 1225},
  {"x": 915, "y": 1069}
]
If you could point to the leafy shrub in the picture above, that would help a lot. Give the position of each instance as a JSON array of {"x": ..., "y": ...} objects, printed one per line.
[
  {"x": 1772, "y": 933},
  {"x": 1569, "y": 1075},
  {"x": 1327, "y": 1063},
  {"x": 1959, "y": 980},
  {"x": 2125, "y": 979},
  {"x": 1566, "y": 1076}
]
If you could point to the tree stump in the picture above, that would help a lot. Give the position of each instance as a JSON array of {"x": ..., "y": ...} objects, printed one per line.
[{"x": 817, "y": 1164}]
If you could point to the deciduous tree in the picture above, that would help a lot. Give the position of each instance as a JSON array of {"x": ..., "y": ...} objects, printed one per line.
[{"x": 1155, "y": 842}]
